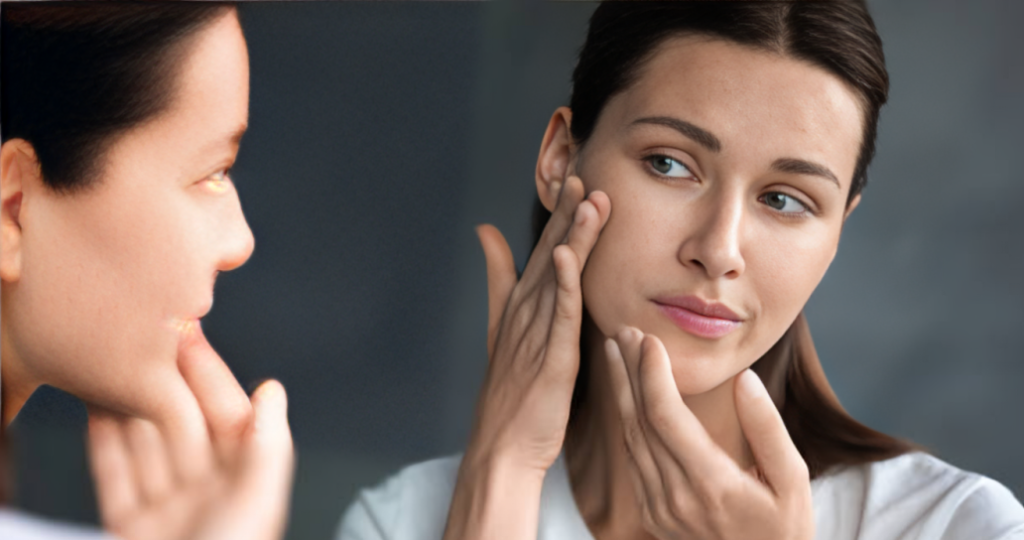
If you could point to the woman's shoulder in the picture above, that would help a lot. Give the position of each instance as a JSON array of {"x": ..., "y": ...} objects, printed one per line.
[
  {"x": 915, "y": 495},
  {"x": 411, "y": 504}
]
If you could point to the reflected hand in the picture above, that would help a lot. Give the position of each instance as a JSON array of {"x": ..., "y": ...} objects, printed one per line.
[
  {"x": 687, "y": 485},
  {"x": 219, "y": 468}
]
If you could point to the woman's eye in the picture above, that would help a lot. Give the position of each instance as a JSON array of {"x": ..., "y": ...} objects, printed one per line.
[
  {"x": 667, "y": 166},
  {"x": 218, "y": 181},
  {"x": 783, "y": 203}
]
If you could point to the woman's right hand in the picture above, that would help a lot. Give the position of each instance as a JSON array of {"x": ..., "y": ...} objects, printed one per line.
[
  {"x": 533, "y": 345},
  {"x": 219, "y": 466}
]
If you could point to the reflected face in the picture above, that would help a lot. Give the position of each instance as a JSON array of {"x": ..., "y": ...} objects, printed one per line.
[
  {"x": 110, "y": 275},
  {"x": 728, "y": 169}
]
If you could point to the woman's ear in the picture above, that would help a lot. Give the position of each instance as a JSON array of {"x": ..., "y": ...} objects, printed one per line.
[
  {"x": 850, "y": 207},
  {"x": 18, "y": 167},
  {"x": 555, "y": 159}
]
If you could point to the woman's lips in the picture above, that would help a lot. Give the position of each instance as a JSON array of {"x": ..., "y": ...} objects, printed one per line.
[{"x": 700, "y": 318}]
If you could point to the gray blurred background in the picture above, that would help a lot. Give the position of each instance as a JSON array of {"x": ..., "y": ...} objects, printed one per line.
[{"x": 381, "y": 133}]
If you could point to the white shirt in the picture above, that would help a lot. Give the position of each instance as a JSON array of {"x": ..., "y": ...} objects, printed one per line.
[
  {"x": 16, "y": 525},
  {"x": 910, "y": 497}
]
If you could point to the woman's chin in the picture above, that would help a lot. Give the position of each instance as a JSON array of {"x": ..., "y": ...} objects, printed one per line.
[{"x": 700, "y": 372}]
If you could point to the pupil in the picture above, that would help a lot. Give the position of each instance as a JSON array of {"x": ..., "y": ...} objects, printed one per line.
[
  {"x": 776, "y": 200},
  {"x": 662, "y": 165}
]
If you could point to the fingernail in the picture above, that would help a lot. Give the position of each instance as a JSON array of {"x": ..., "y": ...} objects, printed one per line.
[{"x": 252, "y": 386}]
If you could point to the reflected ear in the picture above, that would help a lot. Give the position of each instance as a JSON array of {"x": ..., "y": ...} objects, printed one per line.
[
  {"x": 850, "y": 207},
  {"x": 18, "y": 167},
  {"x": 555, "y": 159}
]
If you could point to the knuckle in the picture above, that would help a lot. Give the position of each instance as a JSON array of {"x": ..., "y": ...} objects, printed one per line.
[
  {"x": 712, "y": 500},
  {"x": 680, "y": 505},
  {"x": 647, "y": 518},
  {"x": 802, "y": 472},
  {"x": 237, "y": 419},
  {"x": 658, "y": 412},
  {"x": 634, "y": 434},
  {"x": 520, "y": 320}
]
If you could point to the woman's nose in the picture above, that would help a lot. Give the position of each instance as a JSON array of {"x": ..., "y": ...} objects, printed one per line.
[
  {"x": 237, "y": 241},
  {"x": 713, "y": 244}
]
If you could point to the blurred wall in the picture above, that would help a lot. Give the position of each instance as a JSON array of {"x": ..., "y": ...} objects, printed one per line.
[{"x": 381, "y": 133}]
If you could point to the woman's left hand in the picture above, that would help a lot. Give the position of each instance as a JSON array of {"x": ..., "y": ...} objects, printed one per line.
[
  {"x": 687, "y": 485},
  {"x": 219, "y": 467}
]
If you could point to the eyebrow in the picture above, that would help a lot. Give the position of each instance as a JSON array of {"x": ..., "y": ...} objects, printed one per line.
[
  {"x": 799, "y": 166},
  {"x": 232, "y": 140},
  {"x": 706, "y": 139},
  {"x": 236, "y": 137},
  {"x": 702, "y": 136}
]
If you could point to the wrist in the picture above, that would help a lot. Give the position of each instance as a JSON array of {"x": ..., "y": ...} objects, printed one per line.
[{"x": 495, "y": 497}]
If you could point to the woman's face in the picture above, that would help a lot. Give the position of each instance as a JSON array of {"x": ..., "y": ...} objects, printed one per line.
[
  {"x": 111, "y": 275},
  {"x": 728, "y": 170}
]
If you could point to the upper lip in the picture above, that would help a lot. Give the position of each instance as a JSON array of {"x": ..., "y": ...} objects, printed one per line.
[{"x": 700, "y": 306}]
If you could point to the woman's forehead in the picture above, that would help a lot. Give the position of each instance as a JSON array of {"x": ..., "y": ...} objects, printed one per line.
[{"x": 759, "y": 103}]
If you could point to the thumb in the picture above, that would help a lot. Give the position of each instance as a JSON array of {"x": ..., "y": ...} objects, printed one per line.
[
  {"x": 777, "y": 457},
  {"x": 501, "y": 278}
]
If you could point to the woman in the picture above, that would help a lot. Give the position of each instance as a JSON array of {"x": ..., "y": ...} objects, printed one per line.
[
  {"x": 721, "y": 145},
  {"x": 120, "y": 124}
]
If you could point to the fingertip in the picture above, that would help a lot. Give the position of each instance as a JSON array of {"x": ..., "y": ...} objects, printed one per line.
[
  {"x": 270, "y": 407},
  {"x": 611, "y": 349},
  {"x": 749, "y": 386},
  {"x": 583, "y": 212},
  {"x": 601, "y": 202},
  {"x": 270, "y": 390},
  {"x": 628, "y": 335},
  {"x": 483, "y": 229}
]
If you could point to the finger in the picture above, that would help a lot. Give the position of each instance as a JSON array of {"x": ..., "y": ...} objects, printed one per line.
[
  {"x": 181, "y": 421},
  {"x": 680, "y": 494},
  {"x": 777, "y": 457},
  {"x": 258, "y": 507},
  {"x": 111, "y": 467},
  {"x": 703, "y": 462},
  {"x": 149, "y": 457},
  {"x": 224, "y": 405},
  {"x": 635, "y": 439},
  {"x": 562, "y": 352},
  {"x": 501, "y": 278},
  {"x": 591, "y": 216},
  {"x": 554, "y": 232}
]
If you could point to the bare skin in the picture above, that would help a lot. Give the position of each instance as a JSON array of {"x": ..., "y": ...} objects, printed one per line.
[{"x": 744, "y": 212}]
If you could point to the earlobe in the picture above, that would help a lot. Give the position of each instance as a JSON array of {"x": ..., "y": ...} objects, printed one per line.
[
  {"x": 555, "y": 160},
  {"x": 18, "y": 163}
]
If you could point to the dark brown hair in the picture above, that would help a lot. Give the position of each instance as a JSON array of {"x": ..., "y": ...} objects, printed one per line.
[
  {"x": 77, "y": 74},
  {"x": 836, "y": 35}
]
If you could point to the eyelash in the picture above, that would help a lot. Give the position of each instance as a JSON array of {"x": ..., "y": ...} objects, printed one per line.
[
  {"x": 219, "y": 184},
  {"x": 807, "y": 209},
  {"x": 649, "y": 160}
]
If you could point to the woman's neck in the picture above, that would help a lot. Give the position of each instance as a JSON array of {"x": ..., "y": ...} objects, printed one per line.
[
  {"x": 595, "y": 450},
  {"x": 16, "y": 384}
]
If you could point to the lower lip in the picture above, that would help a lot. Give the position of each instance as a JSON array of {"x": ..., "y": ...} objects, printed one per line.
[{"x": 698, "y": 325}]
